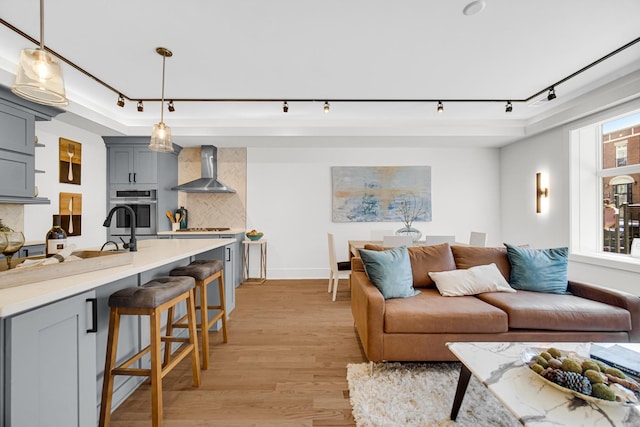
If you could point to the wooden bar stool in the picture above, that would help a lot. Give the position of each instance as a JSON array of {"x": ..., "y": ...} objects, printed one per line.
[
  {"x": 150, "y": 299},
  {"x": 205, "y": 272}
]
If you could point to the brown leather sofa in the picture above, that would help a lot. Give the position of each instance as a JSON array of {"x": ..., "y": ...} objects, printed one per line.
[{"x": 417, "y": 328}]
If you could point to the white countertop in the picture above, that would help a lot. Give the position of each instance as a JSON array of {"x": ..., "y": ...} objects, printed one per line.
[
  {"x": 151, "y": 254},
  {"x": 187, "y": 233}
]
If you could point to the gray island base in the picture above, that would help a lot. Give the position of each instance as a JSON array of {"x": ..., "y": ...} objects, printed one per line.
[{"x": 54, "y": 334}]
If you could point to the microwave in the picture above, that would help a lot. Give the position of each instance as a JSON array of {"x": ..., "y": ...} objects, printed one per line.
[{"x": 144, "y": 204}]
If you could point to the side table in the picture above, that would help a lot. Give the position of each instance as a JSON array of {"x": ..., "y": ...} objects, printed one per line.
[{"x": 262, "y": 245}]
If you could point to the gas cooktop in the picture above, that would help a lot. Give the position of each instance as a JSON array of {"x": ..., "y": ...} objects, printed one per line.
[{"x": 205, "y": 229}]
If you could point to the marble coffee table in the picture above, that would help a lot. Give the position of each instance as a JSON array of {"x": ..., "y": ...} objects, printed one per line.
[{"x": 498, "y": 365}]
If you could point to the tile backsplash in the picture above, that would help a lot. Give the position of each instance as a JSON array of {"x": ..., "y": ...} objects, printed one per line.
[
  {"x": 215, "y": 209},
  {"x": 12, "y": 215}
]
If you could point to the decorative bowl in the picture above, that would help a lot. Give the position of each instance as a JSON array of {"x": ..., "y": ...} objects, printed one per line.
[{"x": 255, "y": 236}]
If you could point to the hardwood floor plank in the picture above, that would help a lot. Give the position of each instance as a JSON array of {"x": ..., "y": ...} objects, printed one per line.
[{"x": 285, "y": 365}]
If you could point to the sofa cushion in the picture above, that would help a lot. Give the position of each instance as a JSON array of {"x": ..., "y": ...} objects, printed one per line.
[
  {"x": 541, "y": 270},
  {"x": 472, "y": 281},
  {"x": 471, "y": 256},
  {"x": 537, "y": 310},
  {"x": 389, "y": 271},
  {"x": 425, "y": 259},
  {"x": 430, "y": 312}
]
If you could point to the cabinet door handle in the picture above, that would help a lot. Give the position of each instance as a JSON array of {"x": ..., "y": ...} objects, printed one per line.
[
  {"x": 94, "y": 315},
  {"x": 134, "y": 177},
  {"x": 228, "y": 254},
  {"x": 129, "y": 176}
]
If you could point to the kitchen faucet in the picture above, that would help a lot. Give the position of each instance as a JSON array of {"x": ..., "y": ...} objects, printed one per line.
[{"x": 132, "y": 246}]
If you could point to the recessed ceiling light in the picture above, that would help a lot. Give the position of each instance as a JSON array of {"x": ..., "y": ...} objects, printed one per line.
[{"x": 474, "y": 7}]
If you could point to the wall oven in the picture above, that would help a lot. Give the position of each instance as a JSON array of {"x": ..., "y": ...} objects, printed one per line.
[{"x": 143, "y": 202}]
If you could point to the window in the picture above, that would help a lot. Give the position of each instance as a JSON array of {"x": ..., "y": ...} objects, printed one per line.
[
  {"x": 605, "y": 184},
  {"x": 621, "y": 153},
  {"x": 620, "y": 174}
]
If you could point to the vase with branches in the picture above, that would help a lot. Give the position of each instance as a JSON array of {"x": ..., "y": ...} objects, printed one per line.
[{"x": 409, "y": 209}]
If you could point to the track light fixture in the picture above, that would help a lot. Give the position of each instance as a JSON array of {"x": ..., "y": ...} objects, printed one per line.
[
  {"x": 170, "y": 107},
  {"x": 440, "y": 107},
  {"x": 509, "y": 107},
  {"x": 326, "y": 106},
  {"x": 161, "y": 133},
  {"x": 140, "y": 106},
  {"x": 285, "y": 107},
  {"x": 39, "y": 76},
  {"x": 120, "y": 102},
  {"x": 26, "y": 85}
]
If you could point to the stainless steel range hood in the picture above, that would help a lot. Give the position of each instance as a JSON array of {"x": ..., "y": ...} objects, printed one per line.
[{"x": 209, "y": 182}]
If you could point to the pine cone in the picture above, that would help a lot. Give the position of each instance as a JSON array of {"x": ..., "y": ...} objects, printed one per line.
[
  {"x": 577, "y": 382},
  {"x": 557, "y": 376}
]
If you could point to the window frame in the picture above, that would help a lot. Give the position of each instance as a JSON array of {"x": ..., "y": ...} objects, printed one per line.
[{"x": 586, "y": 174}]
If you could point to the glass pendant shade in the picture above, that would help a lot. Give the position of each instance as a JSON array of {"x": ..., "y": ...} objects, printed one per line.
[
  {"x": 161, "y": 138},
  {"x": 39, "y": 78}
]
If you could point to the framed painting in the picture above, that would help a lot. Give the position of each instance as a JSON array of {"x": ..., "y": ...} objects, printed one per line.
[
  {"x": 71, "y": 213},
  {"x": 381, "y": 193},
  {"x": 70, "y": 161}
]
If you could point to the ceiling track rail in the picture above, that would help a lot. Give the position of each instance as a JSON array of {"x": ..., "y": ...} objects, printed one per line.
[{"x": 354, "y": 100}]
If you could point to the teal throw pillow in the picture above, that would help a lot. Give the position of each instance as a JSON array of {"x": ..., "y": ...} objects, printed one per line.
[
  {"x": 390, "y": 271},
  {"x": 539, "y": 270}
]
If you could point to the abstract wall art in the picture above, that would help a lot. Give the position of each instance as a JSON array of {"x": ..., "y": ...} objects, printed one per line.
[{"x": 380, "y": 193}]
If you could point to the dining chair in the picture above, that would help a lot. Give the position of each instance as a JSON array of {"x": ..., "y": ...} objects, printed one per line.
[
  {"x": 478, "y": 239},
  {"x": 437, "y": 240},
  {"x": 395, "y": 241},
  {"x": 337, "y": 269}
]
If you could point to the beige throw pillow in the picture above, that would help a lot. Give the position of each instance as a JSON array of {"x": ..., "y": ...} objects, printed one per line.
[{"x": 472, "y": 281}]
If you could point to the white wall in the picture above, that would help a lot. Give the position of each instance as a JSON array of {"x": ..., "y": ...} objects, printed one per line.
[
  {"x": 289, "y": 198},
  {"x": 37, "y": 218},
  {"x": 519, "y": 163},
  {"x": 549, "y": 152}
]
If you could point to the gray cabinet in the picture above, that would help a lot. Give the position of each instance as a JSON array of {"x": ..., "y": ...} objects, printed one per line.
[
  {"x": 50, "y": 365},
  {"x": 236, "y": 255},
  {"x": 32, "y": 250},
  {"x": 133, "y": 165},
  {"x": 17, "y": 174},
  {"x": 17, "y": 147}
]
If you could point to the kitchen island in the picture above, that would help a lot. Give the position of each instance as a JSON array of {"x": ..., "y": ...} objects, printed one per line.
[{"x": 53, "y": 335}]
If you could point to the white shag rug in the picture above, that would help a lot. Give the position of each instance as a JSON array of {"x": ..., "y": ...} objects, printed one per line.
[{"x": 420, "y": 395}]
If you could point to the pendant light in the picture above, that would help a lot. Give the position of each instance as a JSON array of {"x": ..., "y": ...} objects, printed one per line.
[
  {"x": 39, "y": 76},
  {"x": 161, "y": 134}
]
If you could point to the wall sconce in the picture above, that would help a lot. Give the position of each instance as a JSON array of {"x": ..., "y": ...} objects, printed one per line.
[{"x": 540, "y": 192}]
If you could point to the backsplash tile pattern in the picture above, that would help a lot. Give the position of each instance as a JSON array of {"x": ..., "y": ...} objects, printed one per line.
[
  {"x": 12, "y": 215},
  {"x": 215, "y": 209}
]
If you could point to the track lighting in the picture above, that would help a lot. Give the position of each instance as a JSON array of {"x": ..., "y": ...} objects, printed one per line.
[
  {"x": 161, "y": 133},
  {"x": 552, "y": 94},
  {"x": 509, "y": 107},
  {"x": 326, "y": 106},
  {"x": 120, "y": 102},
  {"x": 285, "y": 107},
  {"x": 440, "y": 107},
  {"x": 140, "y": 106},
  {"x": 170, "y": 107}
]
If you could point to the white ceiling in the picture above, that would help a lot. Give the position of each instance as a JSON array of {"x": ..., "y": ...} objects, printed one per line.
[{"x": 327, "y": 50}]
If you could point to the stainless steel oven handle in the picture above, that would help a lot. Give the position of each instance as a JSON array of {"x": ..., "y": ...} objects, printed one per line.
[{"x": 133, "y": 202}]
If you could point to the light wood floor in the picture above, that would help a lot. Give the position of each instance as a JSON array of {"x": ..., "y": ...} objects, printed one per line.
[{"x": 284, "y": 365}]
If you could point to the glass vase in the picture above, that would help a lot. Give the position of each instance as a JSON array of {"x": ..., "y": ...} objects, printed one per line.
[{"x": 409, "y": 231}]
